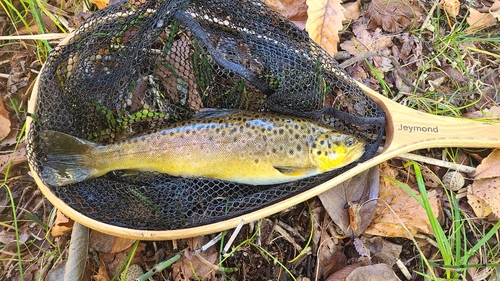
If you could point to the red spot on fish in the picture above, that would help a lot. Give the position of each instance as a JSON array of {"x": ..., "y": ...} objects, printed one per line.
[
  {"x": 242, "y": 141},
  {"x": 115, "y": 155},
  {"x": 256, "y": 161}
]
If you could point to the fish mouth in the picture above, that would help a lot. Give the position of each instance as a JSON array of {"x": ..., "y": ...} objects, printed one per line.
[{"x": 355, "y": 153}]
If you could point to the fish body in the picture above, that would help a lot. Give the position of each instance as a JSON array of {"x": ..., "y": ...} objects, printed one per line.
[{"x": 257, "y": 148}]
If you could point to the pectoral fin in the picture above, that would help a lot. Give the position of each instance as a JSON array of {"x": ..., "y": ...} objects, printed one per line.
[{"x": 296, "y": 171}]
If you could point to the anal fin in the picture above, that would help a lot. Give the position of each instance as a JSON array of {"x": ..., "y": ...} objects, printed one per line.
[{"x": 296, "y": 171}]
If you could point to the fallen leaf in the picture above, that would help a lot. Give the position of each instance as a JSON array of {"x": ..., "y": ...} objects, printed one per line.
[
  {"x": 396, "y": 208},
  {"x": 102, "y": 274},
  {"x": 62, "y": 225},
  {"x": 4, "y": 121},
  {"x": 352, "y": 11},
  {"x": 376, "y": 272},
  {"x": 101, "y": 4},
  {"x": 291, "y": 9},
  {"x": 489, "y": 191},
  {"x": 351, "y": 204},
  {"x": 342, "y": 274},
  {"x": 14, "y": 158},
  {"x": 451, "y": 7},
  {"x": 365, "y": 41},
  {"x": 489, "y": 167},
  {"x": 105, "y": 243},
  {"x": 478, "y": 20},
  {"x": 393, "y": 16},
  {"x": 200, "y": 266},
  {"x": 382, "y": 251},
  {"x": 479, "y": 206},
  {"x": 495, "y": 9},
  {"x": 324, "y": 22}
]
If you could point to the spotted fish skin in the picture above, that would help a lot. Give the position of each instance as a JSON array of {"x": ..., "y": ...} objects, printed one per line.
[{"x": 257, "y": 148}]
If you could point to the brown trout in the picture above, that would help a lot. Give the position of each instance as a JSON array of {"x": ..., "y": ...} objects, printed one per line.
[{"x": 256, "y": 148}]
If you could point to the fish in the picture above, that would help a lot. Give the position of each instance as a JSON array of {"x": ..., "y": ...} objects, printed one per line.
[{"x": 255, "y": 148}]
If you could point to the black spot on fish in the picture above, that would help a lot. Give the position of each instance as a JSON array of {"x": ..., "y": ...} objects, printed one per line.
[
  {"x": 290, "y": 131},
  {"x": 297, "y": 136},
  {"x": 217, "y": 130},
  {"x": 273, "y": 150},
  {"x": 318, "y": 153},
  {"x": 296, "y": 127},
  {"x": 329, "y": 145},
  {"x": 242, "y": 128},
  {"x": 314, "y": 145},
  {"x": 291, "y": 152},
  {"x": 299, "y": 147},
  {"x": 281, "y": 131},
  {"x": 233, "y": 130},
  {"x": 247, "y": 124}
]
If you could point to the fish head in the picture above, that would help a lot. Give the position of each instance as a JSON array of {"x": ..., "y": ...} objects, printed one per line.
[{"x": 333, "y": 150}]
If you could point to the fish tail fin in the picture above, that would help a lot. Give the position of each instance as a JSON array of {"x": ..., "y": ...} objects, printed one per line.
[{"x": 66, "y": 160}]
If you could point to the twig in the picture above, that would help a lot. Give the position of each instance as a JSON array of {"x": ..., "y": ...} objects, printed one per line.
[
  {"x": 457, "y": 167},
  {"x": 48, "y": 36},
  {"x": 233, "y": 236}
]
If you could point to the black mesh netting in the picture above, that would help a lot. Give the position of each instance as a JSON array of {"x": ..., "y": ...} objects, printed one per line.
[{"x": 137, "y": 66}]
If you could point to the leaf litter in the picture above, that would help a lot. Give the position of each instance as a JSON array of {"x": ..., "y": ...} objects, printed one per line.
[{"x": 354, "y": 205}]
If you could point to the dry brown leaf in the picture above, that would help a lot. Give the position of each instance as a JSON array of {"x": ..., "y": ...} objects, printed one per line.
[
  {"x": 451, "y": 7},
  {"x": 324, "y": 22},
  {"x": 388, "y": 222},
  {"x": 203, "y": 264},
  {"x": 102, "y": 274},
  {"x": 342, "y": 274},
  {"x": 101, "y": 4},
  {"x": 4, "y": 121},
  {"x": 479, "y": 206},
  {"x": 105, "y": 243},
  {"x": 365, "y": 41},
  {"x": 350, "y": 204},
  {"x": 478, "y": 20},
  {"x": 382, "y": 251},
  {"x": 62, "y": 225},
  {"x": 489, "y": 167},
  {"x": 291, "y": 9},
  {"x": 393, "y": 16},
  {"x": 487, "y": 190},
  {"x": 352, "y": 11},
  {"x": 18, "y": 156},
  {"x": 376, "y": 272},
  {"x": 495, "y": 9}
]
